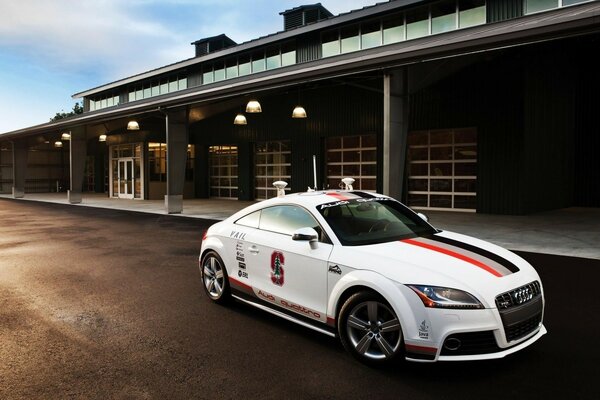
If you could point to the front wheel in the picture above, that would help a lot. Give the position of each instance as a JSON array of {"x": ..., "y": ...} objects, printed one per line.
[
  {"x": 369, "y": 329},
  {"x": 214, "y": 277}
]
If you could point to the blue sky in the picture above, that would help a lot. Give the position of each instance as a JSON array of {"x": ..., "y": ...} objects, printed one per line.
[{"x": 52, "y": 49}]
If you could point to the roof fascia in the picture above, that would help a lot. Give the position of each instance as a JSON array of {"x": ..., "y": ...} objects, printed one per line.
[{"x": 253, "y": 44}]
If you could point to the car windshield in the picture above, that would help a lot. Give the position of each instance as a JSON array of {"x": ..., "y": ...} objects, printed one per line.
[{"x": 373, "y": 220}]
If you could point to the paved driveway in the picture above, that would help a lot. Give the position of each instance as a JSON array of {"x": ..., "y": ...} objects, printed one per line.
[{"x": 99, "y": 303}]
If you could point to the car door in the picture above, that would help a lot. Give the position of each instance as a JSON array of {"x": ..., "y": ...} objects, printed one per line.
[{"x": 286, "y": 272}]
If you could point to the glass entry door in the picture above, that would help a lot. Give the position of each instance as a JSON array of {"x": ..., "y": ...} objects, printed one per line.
[{"x": 125, "y": 178}]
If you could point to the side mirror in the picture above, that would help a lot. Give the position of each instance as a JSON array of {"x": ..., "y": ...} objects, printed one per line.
[
  {"x": 423, "y": 217},
  {"x": 308, "y": 235}
]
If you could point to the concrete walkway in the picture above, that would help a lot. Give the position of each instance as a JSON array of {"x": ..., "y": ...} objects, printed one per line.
[{"x": 570, "y": 231}]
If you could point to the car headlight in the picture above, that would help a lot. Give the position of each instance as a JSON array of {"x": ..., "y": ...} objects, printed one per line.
[{"x": 442, "y": 297}]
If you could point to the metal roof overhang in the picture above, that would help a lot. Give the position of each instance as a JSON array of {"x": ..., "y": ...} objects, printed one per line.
[{"x": 561, "y": 23}]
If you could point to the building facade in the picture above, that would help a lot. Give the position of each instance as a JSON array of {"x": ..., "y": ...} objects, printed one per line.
[{"x": 466, "y": 105}]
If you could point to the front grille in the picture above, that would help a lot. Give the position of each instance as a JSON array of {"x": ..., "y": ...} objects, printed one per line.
[
  {"x": 470, "y": 343},
  {"x": 523, "y": 328},
  {"x": 518, "y": 296}
]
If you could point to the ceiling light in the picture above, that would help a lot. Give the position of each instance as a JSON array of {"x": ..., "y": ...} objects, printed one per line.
[
  {"x": 58, "y": 143},
  {"x": 65, "y": 136},
  {"x": 240, "y": 119},
  {"x": 133, "y": 126},
  {"x": 253, "y": 106},
  {"x": 102, "y": 138},
  {"x": 299, "y": 112}
]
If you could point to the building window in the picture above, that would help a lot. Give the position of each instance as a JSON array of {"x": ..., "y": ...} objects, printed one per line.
[
  {"x": 103, "y": 101},
  {"x": 273, "y": 58},
  {"x": 370, "y": 34},
  {"x": 189, "y": 163},
  {"x": 417, "y": 23},
  {"x": 533, "y": 6},
  {"x": 223, "y": 169},
  {"x": 156, "y": 88},
  {"x": 157, "y": 162},
  {"x": 272, "y": 163},
  {"x": 443, "y": 16},
  {"x": 350, "y": 39},
  {"x": 442, "y": 169},
  {"x": 288, "y": 54},
  {"x": 354, "y": 157},
  {"x": 244, "y": 67},
  {"x": 231, "y": 69},
  {"x": 330, "y": 43},
  {"x": 393, "y": 29},
  {"x": 258, "y": 62},
  {"x": 471, "y": 13}
]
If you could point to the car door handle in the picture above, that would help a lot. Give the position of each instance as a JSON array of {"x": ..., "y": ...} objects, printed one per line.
[{"x": 253, "y": 249}]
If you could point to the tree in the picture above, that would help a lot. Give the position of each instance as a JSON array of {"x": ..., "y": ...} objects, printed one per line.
[{"x": 77, "y": 109}]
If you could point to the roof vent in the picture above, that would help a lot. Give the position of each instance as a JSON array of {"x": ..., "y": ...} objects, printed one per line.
[
  {"x": 212, "y": 44},
  {"x": 303, "y": 15},
  {"x": 280, "y": 185}
]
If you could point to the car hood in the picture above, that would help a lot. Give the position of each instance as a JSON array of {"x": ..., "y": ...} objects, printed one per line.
[{"x": 444, "y": 259}]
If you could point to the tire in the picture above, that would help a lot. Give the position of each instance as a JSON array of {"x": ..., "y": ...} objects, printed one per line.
[
  {"x": 214, "y": 278},
  {"x": 370, "y": 330}
]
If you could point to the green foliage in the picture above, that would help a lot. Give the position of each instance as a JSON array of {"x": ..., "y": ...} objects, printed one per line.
[{"x": 77, "y": 109}]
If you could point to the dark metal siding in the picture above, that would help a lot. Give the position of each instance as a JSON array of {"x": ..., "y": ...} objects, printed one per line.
[
  {"x": 500, "y": 10},
  {"x": 587, "y": 132},
  {"x": 308, "y": 48},
  {"x": 493, "y": 106},
  {"x": 334, "y": 111}
]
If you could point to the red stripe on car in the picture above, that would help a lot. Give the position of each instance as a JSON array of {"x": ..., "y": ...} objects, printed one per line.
[
  {"x": 455, "y": 255},
  {"x": 337, "y": 196},
  {"x": 420, "y": 349},
  {"x": 240, "y": 284}
]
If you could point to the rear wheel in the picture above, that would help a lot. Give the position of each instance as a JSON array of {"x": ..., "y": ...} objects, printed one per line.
[
  {"x": 214, "y": 277},
  {"x": 369, "y": 329}
]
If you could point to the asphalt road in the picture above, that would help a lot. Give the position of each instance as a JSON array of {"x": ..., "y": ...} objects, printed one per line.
[{"x": 108, "y": 304}]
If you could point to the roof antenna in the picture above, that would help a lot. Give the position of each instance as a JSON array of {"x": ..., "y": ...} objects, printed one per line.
[
  {"x": 280, "y": 185},
  {"x": 348, "y": 183}
]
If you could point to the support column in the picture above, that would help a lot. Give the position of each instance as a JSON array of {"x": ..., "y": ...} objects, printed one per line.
[
  {"x": 19, "y": 148},
  {"x": 77, "y": 155},
  {"x": 177, "y": 141},
  {"x": 395, "y": 131}
]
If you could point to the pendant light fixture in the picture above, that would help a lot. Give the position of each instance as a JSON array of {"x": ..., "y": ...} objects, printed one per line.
[
  {"x": 253, "y": 107},
  {"x": 102, "y": 138},
  {"x": 65, "y": 136},
  {"x": 133, "y": 125},
  {"x": 299, "y": 112},
  {"x": 240, "y": 119},
  {"x": 58, "y": 144}
]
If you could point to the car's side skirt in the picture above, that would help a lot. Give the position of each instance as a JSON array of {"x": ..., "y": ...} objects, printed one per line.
[{"x": 322, "y": 328}]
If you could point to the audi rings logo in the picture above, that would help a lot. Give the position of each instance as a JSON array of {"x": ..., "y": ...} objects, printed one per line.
[{"x": 522, "y": 295}]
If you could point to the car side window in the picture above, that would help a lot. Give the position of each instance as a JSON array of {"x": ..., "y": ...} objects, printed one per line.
[
  {"x": 251, "y": 220},
  {"x": 287, "y": 219}
]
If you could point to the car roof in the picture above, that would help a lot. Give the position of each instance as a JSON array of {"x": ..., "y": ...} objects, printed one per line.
[{"x": 309, "y": 199}]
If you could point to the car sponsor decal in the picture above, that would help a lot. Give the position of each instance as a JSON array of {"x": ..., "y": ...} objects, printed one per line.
[
  {"x": 335, "y": 269},
  {"x": 237, "y": 235},
  {"x": 424, "y": 330},
  {"x": 239, "y": 254},
  {"x": 490, "y": 266},
  {"x": 277, "y": 270},
  {"x": 261, "y": 294}
]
